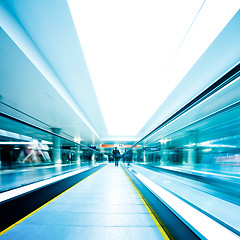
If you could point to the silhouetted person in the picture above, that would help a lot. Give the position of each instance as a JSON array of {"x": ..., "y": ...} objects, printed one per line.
[
  {"x": 116, "y": 156},
  {"x": 7, "y": 156},
  {"x": 129, "y": 156},
  {"x": 124, "y": 156}
]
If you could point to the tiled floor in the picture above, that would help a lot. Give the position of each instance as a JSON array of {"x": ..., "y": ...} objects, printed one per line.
[{"x": 103, "y": 206}]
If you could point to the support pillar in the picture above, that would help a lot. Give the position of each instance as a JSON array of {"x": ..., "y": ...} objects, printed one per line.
[
  {"x": 163, "y": 153},
  {"x": 144, "y": 156},
  {"x": 191, "y": 156},
  {"x": 77, "y": 154},
  {"x": 192, "y": 149},
  {"x": 56, "y": 150},
  {"x": 93, "y": 158}
]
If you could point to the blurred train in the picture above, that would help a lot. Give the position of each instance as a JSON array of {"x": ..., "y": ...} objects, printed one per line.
[{"x": 204, "y": 136}]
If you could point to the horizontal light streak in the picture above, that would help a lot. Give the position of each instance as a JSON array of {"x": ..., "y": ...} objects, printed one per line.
[
  {"x": 4, "y": 196},
  {"x": 203, "y": 224}
]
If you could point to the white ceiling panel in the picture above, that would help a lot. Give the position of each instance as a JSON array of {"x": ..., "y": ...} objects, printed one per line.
[
  {"x": 25, "y": 89},
  {"x": 107, "y": 71}
]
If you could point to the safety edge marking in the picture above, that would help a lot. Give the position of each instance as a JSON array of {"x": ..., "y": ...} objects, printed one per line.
[
  {"x": 30, "y": 214},
  {"x": 150, "y": 211}
]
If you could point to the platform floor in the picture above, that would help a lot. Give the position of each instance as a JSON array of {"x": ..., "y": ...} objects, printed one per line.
[{"x": 103, "y": 206}]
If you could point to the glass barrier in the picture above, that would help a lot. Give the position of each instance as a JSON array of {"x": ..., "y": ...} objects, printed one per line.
[
  {"x": 205, "y": 137},
  {"x": 212, "y": 144},
  {"x": 29, "y": 154}
]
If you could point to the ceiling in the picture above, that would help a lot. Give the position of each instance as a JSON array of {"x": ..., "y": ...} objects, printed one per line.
[{"x": 46, "y": 81}]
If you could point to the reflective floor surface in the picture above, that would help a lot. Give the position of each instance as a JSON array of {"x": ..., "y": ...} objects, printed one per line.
[{"x": 103, "y": 206}]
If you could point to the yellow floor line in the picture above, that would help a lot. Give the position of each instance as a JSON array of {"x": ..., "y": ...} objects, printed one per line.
[
  {"x": 161, "y": 230},
  {"x": 30, "y": 214}
]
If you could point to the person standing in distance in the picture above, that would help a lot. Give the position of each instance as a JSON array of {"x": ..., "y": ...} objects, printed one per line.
[{"x": 116, "y": 156}]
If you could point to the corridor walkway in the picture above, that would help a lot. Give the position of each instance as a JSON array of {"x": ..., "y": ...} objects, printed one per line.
[{"x": 103, "y": 206}]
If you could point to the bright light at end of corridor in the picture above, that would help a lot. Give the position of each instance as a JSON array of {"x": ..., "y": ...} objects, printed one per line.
[
  {"x": 77, "y": 139},
  {"x": 130, "y": 48}
]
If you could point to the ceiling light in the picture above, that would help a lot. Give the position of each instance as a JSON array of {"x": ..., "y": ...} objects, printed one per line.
[{"x": 138, "y": 51}]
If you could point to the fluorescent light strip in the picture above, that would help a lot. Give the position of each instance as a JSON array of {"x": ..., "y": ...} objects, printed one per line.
[
  {"x": 200, "y": 172},
  {"x": 14, "y": 135},
  {"x": 34, "y": 186},
  {"x": 203, "y": 224},
  {"x": 16, "y": 143},
  {"x": 125, "y": 50}
]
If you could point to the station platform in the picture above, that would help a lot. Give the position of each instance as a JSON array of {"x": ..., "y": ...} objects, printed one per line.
[{"x": 104, "y": 205}]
